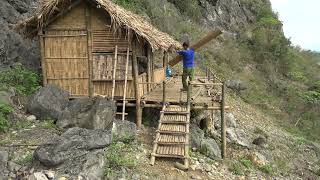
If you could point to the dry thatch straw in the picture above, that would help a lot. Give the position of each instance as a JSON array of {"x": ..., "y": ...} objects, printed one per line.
[{"x": 120, "y": 17}]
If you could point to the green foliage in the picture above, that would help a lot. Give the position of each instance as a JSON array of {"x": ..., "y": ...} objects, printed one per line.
[
  {"x": 268, "y": 169},
  {"x": 4, "y": 123},
  {"x": 237, "y": 169},
  {"x": 26, "y": 159},
  {"x": 189, "y": 8},
  {"x": 246, "y": 162},
  {"x": 120, "y": 155},
  {"x": 48, "y": 124},
  {"x": 23, "y": 80},
  {"x": 5, "y": 110}
]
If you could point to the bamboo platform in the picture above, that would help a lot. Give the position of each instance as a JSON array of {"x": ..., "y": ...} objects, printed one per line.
[
  {"x": 172, "y": 135},
  {"x": 174, "y": 95}
]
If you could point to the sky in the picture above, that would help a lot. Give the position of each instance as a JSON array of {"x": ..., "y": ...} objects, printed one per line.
[{"x": 301, "y": 21}]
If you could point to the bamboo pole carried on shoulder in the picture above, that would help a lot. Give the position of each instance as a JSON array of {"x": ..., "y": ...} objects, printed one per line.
[
  {"x": 211, "y": 35},
  {"x": 114, "y": 71}
]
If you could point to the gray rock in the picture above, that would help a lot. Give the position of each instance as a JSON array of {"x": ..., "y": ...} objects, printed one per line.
[
  {"x": 6, "y": 97},
  {"x": 38, "y": 176},
  {"x": 13, "y": 47},
  {"x": 31, "y": 118},
  {"x": 73, "y": 143},
  {"x": 196, "y": 136},
  {"x": 229, "y": 118},
  {"x": 210, "y": 148},
  {"x": 124, "y": 130},
  {"x": 90, "y": 113},
  {"x": 237, "y": 136},
  {"x": 260, "y": 141},
  {"x": 4, "y": 156},
  {"x": 236, "y": 85},
  {"x": 13, "y": 167},
  {"x": 48, "y": 102}
]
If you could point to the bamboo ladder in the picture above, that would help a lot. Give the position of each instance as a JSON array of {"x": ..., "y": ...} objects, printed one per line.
[{"x": 172, "y": 135}]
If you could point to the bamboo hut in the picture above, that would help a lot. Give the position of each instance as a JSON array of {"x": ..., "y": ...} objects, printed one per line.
[{"x": 95, "y": 47}]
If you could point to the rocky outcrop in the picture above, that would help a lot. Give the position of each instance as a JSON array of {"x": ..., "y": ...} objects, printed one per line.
[
  {"x": 48, "y": 102},
  {"x": 13, "y": 47},
  {"x": 124, "y": 130},
  {"x": 230, "y": 15},
  {"x": 90, "y": 113},
  {"x": 73, "y": 143}
]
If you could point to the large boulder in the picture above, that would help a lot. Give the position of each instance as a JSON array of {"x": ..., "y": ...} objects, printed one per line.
[
  {"x": 236, "y": 85},
  {"x": 89, "y": 166},
  {"x": 48, "y": 102},
  {"x": 196, "y": 136},
  {"x": 210, "y": 148},
  {"x": 4, "y": 156},
  {"x": 124, "y": 130},
  {"x": 231, "y": 121},
  {"x": 237, "y": 136},
  {"x": 73, "y": 143},
  {"x": 90, "y": 113}
]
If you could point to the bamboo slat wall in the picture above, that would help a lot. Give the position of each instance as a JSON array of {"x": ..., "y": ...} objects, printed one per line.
[
  {"x": 66, "y": 60},
  {"x": 66, "y": 51}
]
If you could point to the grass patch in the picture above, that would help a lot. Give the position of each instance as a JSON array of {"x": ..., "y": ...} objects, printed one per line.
[
  {"x": 246, "y": 162},
  {"x": 119, "y": 155},
  {"x": 268, "y": 169},
  {"x": 26, "y": 159},
  {"x": 5, "y": 110},
  {"x": 4, "y": 141},
  {"x": 48, "y": 124}
]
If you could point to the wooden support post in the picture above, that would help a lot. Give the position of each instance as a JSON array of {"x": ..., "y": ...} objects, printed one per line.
[
  {"x": 165, "y": 61},
  {"x": 223, "y": 125},
  {"x": 89, "y": 50},
  {"x": 114, "y": 71},
  {"x": 149, "y": 76},
  {"x": 43, "y": 60},
  {"x": 136, "y": 87},
  {"x": 125, "y": 84}
]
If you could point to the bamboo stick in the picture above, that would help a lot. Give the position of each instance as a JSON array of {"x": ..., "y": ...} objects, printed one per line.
[
  {"x": 223, "y": 125},
  {"x": 114, "y": 71},
  {"x": 125, "y": 85}
]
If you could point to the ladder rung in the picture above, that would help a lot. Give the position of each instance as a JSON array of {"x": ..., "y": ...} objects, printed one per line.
[
  {"x": 120, "y": 113},
  {"x": 175, "y": 112},
  {"x": 174, "y": 122},
  {"x": 171, "y": 132}
]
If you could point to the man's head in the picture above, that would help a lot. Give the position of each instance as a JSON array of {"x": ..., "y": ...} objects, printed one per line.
[{"x": 185, "y": 45}]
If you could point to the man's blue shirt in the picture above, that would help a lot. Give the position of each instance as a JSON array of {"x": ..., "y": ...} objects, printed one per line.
[{"x": 188, "y": 58}]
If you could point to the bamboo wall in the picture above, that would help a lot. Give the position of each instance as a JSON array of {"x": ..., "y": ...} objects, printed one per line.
[{"x": 78, "y": 54}]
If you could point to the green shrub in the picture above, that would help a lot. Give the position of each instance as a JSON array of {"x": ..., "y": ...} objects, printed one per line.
[
  {"x": 268, "y": 169},
  {"x": 26, "y": 159},
  {"x": 5, "y": 110},
  {"x": 121, "y": 155},
  {"x": 246, "y": 162},
  {"x": 23, "y": 80}
]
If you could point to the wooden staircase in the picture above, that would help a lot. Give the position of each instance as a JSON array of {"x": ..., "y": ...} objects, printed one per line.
[{"x": 172, "y": 135}]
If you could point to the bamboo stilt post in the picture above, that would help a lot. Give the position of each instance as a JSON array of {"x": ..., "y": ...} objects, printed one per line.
[
  {"x": 136, "y": 87},
  {"x": 125, "y": 84},
  {"x": 89, "y": 50},
  {"x": 165, "y": 61},
  {"x": 114, "y": 71},
  {"x": 43, "y": 60},
  {"x": 223, "y": 124},
  {"x": 149, "y": 68}
]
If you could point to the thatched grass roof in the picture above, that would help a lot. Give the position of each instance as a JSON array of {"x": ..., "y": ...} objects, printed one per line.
[{"x": 120, "y": 17}]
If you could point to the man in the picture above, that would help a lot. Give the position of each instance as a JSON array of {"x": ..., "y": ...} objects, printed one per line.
[{"x": 188, "y": 64}]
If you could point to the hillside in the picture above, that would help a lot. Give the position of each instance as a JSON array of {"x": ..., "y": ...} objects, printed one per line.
[{"x": 273, "y": 92}]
